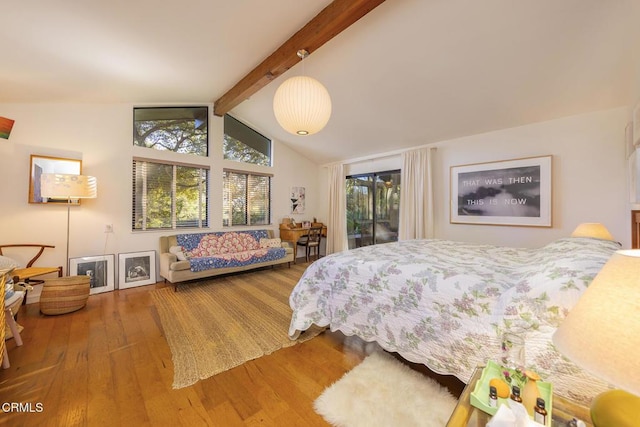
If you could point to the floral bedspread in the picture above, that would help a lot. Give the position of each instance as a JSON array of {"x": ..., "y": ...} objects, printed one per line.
[
  {"x": 227, "y": 249},
  {"x": 446, "y": 304}
]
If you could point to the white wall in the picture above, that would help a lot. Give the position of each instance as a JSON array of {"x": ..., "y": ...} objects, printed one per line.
[
  {"x": 101, "y": 135},
  {"x": 589, "y": 176}
]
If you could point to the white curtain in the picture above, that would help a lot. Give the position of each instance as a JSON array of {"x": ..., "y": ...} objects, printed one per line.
[
  {"x": 416, "y": 195},
  {"x": 337, "y": 222}
]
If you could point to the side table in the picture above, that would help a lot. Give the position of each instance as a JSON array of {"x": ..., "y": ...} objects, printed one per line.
[{"x": 467, "y": 415}]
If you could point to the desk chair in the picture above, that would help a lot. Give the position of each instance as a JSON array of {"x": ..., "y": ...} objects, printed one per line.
[{"x": 311, "y": 240}]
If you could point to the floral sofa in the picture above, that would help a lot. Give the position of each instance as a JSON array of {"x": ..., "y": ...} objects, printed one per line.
[{"x": 191, "y": 256}]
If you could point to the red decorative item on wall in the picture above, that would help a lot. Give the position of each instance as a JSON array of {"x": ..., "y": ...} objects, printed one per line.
[{"x": 5, "y": 127}]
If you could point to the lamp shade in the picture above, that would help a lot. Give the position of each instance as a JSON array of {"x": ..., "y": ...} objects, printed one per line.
[
  {"x": 592, "y": 229},
  {"x": 302, "y": 105},
  {"x": 68, "y": 186},
  {"x": 602, "y": 331}
]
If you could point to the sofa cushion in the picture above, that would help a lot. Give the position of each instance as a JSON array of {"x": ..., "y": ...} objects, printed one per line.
[
  {"x": 271, "y": 243},
  {"x": 237, "y": 259},
  {"x": 178, "y": 252},
  {"x": 180, "y": 265}
]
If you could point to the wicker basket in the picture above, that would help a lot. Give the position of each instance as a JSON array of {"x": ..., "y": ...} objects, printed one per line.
[{"x": 64, "y": 294}]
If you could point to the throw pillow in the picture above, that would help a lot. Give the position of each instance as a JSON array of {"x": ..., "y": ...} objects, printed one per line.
[
  {"x": 8, "y": 290},
  {"x": 177, "y": 251},
  {"x": 271, "y": 243},
  {"x": 7, "y": 263}
]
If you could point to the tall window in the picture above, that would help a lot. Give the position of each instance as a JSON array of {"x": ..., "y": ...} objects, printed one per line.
[
  {"x": 178, "y": 129},
  {"x": 373, "y": 202},
  {"x": 246, "y": 199},
  {"x": 246, "y": 195},
  {"x": 169, "y": 195},
  {"x": 243, "y": 144}
]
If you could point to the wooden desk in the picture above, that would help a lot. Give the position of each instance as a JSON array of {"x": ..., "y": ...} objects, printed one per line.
[{"x": 292, "y": 235}]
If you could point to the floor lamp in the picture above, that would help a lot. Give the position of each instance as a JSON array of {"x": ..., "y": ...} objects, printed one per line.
[{"x": 70, "y": 188}]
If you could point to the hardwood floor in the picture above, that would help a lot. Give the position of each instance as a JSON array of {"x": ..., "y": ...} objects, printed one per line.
[{"x": 109, "y": 364}]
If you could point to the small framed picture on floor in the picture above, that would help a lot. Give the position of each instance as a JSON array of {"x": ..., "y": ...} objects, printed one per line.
[
  {"x": 136, "y": 269},
  {"x": 99, "y": 268}
]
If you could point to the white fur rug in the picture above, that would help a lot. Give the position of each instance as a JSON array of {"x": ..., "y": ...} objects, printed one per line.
[{"x": 381, "y": 391}]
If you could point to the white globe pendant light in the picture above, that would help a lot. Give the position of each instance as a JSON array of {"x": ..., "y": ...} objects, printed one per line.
[{"x": 302, "y": 105}]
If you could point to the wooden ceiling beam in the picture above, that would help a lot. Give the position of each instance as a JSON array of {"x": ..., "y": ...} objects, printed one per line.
[{"x": 330, "y": 22}]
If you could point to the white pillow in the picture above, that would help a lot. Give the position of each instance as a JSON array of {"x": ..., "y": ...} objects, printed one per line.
[
  {"x": 8, "y": 290},
  {"x": 177, "y": 251},
  {"x": 271, "y": 243},
  {"x": 7, "y": 263}
]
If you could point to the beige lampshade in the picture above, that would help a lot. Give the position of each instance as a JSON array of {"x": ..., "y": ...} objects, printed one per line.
[
  {"x": 602, "y": 331},
  {"x": 592, "y": 229},
  {"x": 68, "y": 186},
  {"x": 302, "y": 105}
]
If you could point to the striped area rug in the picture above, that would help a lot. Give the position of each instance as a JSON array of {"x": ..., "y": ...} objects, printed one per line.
[{"x": 215, "y": 325}]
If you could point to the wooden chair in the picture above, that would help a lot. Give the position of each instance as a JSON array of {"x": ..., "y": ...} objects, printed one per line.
[
  {"x": 27, "y": 273},
  {"x": 311, "y": 240}
]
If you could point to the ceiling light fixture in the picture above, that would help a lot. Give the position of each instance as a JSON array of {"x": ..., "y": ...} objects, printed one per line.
[{"x": 302, "y": 105}]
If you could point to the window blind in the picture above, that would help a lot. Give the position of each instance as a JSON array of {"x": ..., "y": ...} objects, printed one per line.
[
  {"x": 169, "y": 195},
  {"x": 246, "y": 198}
]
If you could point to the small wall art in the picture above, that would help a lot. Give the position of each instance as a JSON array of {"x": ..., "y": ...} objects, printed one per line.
[
  {"x": 297, "y": 200},
  {"x": 636, "y": 124},
  {"x": 5, "y": 127}
]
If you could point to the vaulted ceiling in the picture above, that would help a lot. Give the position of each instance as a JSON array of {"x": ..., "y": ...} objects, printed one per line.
[{"x": 410, "y": 72}]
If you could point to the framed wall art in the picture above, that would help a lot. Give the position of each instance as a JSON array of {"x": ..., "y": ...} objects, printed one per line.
[
  {"x": 297, "y": 200},
  {"x": 45, "y": 164},
  {"x": 636, "y": 124},
  {"x": 507, "y": 192},
  {"x": 5, "y": 127},
  {"x": 136, "y": 269},
  {"x": 100, "y": 268}
]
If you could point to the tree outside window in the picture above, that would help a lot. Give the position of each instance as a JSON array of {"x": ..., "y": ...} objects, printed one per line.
[
  {"x": 170, "y": 194},
  {"x": 246, "y": 199},
  {"x": 181, "y": 129}
]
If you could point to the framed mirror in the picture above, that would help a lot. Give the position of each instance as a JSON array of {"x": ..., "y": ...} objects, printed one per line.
[{"x": 45, "y": 164}]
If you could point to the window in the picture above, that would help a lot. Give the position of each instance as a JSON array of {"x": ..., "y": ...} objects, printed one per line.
[
  {"x": 169, "y": 195},
  {"x": 177, "y": 129},
  {"x": 246, "y": 199},
  {"x": 373, "y": 202},
  {"x": 243, "y": 144}
]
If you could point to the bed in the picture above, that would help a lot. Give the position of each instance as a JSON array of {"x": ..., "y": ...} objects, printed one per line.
[{"x": 446, "y": 304}]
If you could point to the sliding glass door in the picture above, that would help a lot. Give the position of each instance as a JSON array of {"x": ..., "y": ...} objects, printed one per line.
[{"x": 373, "y": 202}]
